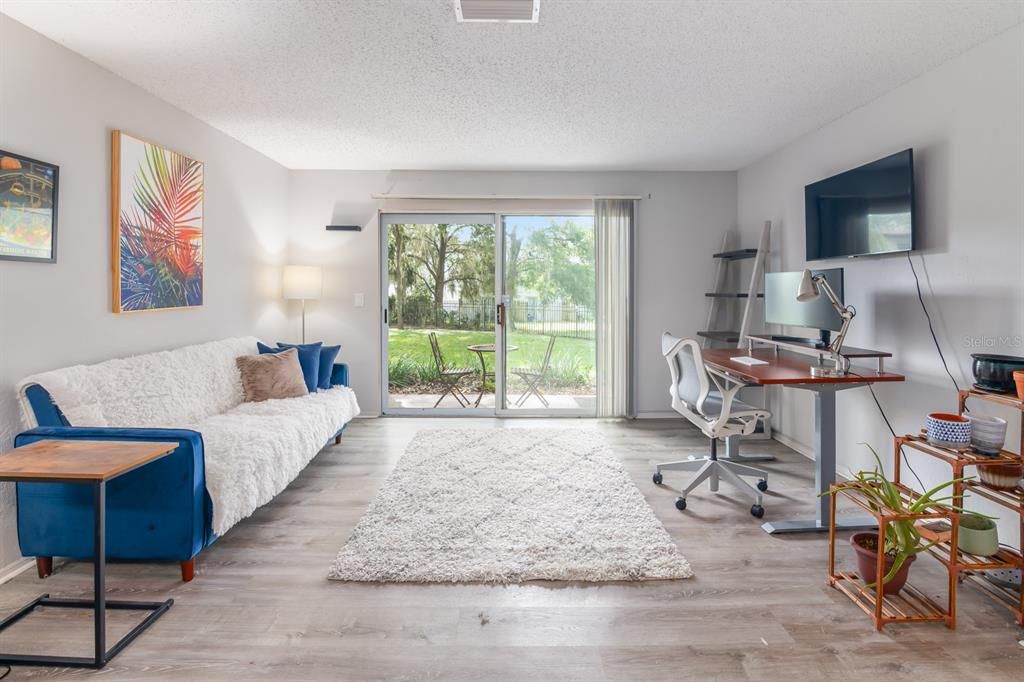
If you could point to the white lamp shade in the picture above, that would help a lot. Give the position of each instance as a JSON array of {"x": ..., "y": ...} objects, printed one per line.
[
  {"x": 808, "y": 290},
  {"x": 304, "y": 282}
]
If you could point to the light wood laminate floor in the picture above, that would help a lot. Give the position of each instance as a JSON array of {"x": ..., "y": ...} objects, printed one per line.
[{"x": 260, "y": 606}]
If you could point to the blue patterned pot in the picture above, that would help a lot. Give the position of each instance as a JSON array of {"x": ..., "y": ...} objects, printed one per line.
[{"x": 949, "y": 430}]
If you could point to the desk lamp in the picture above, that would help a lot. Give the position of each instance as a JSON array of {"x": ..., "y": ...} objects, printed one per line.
[
  {"x": 811, "y": 286},
  {"x": 303, "y": 282}
]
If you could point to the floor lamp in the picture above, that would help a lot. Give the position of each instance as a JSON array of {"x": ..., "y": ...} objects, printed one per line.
[{"x": 305, "y": 283}]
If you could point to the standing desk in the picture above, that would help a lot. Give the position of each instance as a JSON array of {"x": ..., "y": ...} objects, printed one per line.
[{"x": 791, "y": 366}]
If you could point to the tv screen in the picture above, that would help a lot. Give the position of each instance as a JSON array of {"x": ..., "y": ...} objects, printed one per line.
[{"x": 865, "y": 211}]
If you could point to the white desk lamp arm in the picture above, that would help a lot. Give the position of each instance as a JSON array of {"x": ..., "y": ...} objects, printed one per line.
[{"x": 846, "y": 312}]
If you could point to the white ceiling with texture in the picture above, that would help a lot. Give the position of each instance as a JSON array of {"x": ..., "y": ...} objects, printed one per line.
[{"x": 617, "y": 84}]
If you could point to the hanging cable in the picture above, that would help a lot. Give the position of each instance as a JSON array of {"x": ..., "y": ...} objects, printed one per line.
[
  {"x": 888, "y": 423},
  {"x": 931, "y": 328}
]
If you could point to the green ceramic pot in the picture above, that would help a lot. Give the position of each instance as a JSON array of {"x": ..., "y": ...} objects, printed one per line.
[{"x": 977, "y": 535}]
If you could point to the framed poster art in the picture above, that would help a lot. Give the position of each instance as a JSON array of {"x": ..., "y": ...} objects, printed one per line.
[
  {"x": 157, "y": 227},
  {"x": 28, "y": 209}
]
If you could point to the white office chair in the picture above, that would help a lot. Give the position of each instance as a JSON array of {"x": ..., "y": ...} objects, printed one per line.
[{"x": 718, "y": 414}]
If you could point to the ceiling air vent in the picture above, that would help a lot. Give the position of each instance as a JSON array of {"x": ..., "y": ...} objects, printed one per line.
[{"x": 513, "y": 11}]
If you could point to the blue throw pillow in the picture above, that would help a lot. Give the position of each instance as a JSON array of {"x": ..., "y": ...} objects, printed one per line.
[
  {"x": 309, "y": 360},
  {"x": 328, "y": 354}
]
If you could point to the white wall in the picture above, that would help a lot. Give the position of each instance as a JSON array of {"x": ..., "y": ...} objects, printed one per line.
[
  {"x": 965, "y": 121},
  {"x": 678, "y": 228},
  {"x": 59, "y": 107}
]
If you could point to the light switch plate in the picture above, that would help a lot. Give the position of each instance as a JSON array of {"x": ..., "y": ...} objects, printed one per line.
[{"x": 360, "y": 300}]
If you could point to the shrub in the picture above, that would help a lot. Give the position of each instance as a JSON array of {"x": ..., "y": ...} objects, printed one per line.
[{"x": 405, "y": 372}]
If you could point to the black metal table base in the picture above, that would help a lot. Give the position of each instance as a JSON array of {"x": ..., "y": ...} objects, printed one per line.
[
  {"x": 98, "y": 604},
  {"x": 157, "y": 609}
]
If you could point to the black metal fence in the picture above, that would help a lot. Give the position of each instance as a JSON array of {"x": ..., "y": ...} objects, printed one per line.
[
  {"x": 565, "y": 320},
  {"x": 530, "y": 317}
]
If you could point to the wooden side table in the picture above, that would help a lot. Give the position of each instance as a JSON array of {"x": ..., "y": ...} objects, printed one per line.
[{"x": 88, "y": 463}]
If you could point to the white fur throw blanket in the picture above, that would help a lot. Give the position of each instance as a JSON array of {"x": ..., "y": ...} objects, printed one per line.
[{"x": 252, "y": 450}]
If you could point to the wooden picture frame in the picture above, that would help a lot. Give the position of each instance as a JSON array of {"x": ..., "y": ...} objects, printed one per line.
[
  {"x": 156, "y": 214},
  {"x": 29, "y": 191}
]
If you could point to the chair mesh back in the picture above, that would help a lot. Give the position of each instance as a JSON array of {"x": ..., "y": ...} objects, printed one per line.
[{"x": 689, "y": 379}]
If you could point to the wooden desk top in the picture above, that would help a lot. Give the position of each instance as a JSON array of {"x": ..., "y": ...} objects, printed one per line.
[
  {"x": 786, "y": 368},
  {"x": 50, "y": 460}
]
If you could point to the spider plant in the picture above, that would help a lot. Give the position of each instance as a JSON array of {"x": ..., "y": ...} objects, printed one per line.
[{"x": 902, "y": 539}]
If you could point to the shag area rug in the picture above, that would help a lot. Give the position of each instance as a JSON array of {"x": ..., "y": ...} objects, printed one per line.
[{"x": 505, "y": 506}]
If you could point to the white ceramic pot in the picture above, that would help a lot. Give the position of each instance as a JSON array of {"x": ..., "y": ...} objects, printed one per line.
[{"x": 988, "y": 434}]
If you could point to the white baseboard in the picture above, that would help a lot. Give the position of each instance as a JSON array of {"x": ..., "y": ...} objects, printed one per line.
[
  {"x": 658, "y": 415},
  {"x": 804, "y": 450},
  {"x": 14, "y": 569}
]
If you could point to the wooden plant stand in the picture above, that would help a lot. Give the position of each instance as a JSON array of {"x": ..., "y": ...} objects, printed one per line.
[
  {"x": 967, "y": 567},
  {"x": 910, "y": 605}
]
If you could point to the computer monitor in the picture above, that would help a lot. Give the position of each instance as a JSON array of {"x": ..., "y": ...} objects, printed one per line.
[{"x": 781, "y": 306}]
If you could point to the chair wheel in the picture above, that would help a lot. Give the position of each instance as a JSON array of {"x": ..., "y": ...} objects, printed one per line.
[
  {"x": 762, "y": 485},
  {"x": 680, "y": 503},
  {"x": 757, "y": 511},
  {"x": 656, "y": 478}
]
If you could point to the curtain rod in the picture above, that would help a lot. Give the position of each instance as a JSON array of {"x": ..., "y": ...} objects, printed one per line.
[{"x": 507, "y": 196}]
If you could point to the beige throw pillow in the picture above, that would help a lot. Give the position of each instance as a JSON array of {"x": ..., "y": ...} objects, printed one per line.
[{"x": 271, "y": 375}]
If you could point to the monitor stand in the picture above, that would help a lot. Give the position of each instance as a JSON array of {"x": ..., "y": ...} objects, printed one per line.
[{"x": 803, "y": 340}]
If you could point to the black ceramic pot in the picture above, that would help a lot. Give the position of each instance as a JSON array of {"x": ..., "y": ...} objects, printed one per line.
[{"x": 995, "y": 372}]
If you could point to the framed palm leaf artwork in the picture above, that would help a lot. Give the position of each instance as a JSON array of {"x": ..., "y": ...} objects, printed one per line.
[{"x": 157, "y": 226}]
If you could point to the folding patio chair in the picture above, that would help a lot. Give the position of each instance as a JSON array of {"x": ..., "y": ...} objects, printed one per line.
[
  {"x": 534, "y": 378},
  {"x": 450, "y": 376}
]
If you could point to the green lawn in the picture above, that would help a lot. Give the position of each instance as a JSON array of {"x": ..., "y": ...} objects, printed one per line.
[{"x": 411, "y": 363}]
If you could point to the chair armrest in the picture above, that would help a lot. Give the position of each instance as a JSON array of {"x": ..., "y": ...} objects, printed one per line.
[
  {"x": 728, "y": 386},
  {"x": 339, "y": 374},
  {"x": 186, "y": 438}
]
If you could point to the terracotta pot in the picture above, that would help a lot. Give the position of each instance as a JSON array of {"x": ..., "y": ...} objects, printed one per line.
[
  {"x": 1018, "y": 379},
  {"x": 867, "y": 561}
]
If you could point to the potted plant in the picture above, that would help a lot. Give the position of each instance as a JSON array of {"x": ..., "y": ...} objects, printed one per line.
[
  {"x": 977, "y": 535},
  {"x": 903, "y": 541}
]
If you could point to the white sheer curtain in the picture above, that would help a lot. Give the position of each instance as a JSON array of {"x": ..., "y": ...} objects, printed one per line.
[{"x": 613, "y": 240}]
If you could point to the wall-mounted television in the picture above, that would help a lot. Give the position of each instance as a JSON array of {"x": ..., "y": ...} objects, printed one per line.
[{"x": 865, "y": 211}]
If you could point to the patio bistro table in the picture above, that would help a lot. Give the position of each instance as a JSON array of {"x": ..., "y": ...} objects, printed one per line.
[{"x": 480, "y": 349}]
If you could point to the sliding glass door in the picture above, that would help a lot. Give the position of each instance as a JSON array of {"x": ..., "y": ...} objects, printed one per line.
[
  {"x": 451, "y": 346},
  {"x": 439, "y": 313},
  {"x": 546, "y": 317}
]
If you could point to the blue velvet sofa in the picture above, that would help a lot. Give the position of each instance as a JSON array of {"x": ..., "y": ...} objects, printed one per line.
[{"x": 160, "y": 512}]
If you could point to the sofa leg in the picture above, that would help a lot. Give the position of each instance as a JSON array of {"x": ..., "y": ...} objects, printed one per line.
[
  {"x": 188, "y": 570},
  {"x": 337, "y": 439},
  {"x": 44, "y": 566}
]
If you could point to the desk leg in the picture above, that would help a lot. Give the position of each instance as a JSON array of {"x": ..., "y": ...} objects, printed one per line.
[
  {"x": 732, "y": 453},
  {"x": 824, "y": 474},
  {"x": 99, "y": 583},
  {"x": 825, "y": 449}
]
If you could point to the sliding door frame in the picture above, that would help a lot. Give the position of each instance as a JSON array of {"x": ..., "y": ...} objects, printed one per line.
[
  {"x": 500, "y": 368},
  {"x": 384, "y": 327},
  {"x": 498, "y": 219}
]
